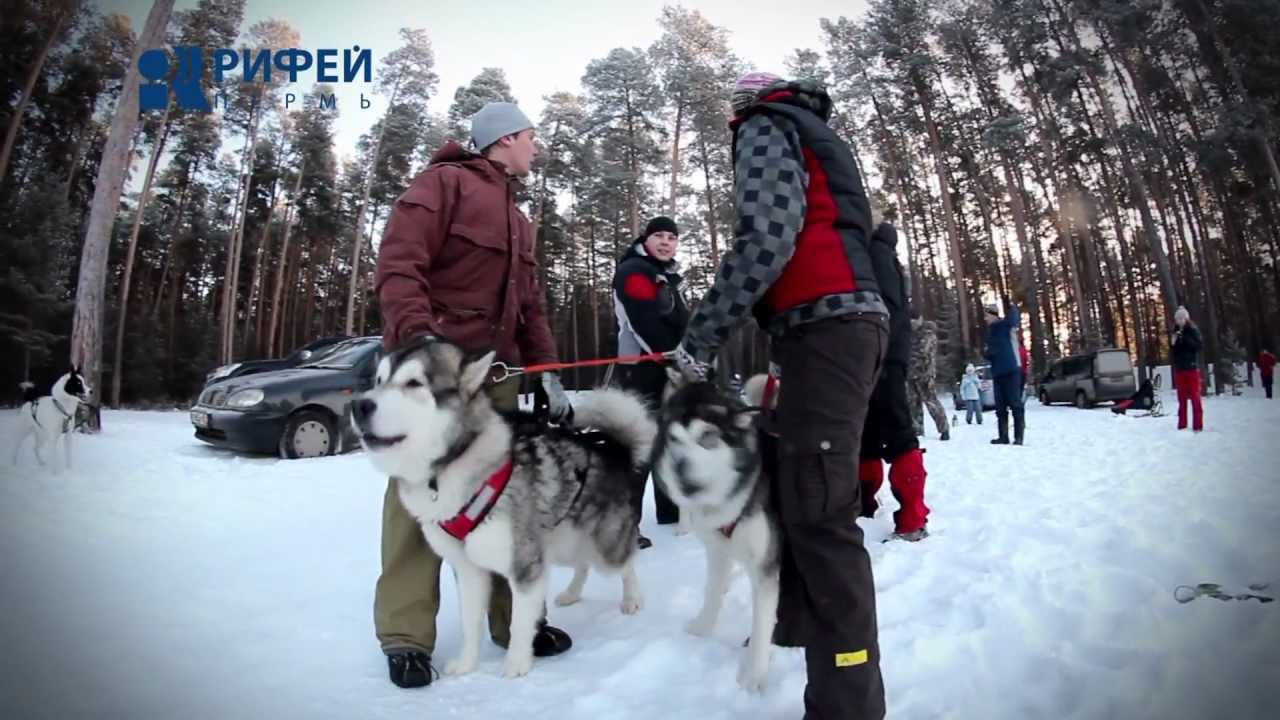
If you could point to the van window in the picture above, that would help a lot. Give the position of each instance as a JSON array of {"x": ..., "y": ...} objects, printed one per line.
[
  {"x": 1112, "y": 363},
  {"x": 1072, "y": 367}
]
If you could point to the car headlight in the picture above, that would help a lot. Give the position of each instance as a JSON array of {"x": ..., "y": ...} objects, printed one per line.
[{"x": 245, "y": 398}]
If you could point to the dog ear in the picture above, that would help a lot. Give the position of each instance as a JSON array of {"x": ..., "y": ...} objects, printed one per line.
[{"x": 475, "y": 372}]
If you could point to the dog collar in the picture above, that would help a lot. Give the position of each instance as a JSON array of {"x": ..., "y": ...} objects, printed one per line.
[{"x": 461, "y": 525}]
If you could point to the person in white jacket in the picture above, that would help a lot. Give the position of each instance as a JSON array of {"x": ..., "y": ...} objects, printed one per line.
[{"x": 971, "y": 393}]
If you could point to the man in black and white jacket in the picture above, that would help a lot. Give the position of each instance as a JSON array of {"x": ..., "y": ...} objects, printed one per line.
[{"x": 651, "y": 317}]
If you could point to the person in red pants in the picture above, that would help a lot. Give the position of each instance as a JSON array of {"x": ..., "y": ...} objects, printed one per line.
[
  {"x": 888, "y": 434},
  {"x": 1186, "y": 369},
  {"x": 1267, "y": 364}
]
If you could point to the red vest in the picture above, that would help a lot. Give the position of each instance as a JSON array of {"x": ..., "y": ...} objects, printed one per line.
[{"x": 820, "y": 266}]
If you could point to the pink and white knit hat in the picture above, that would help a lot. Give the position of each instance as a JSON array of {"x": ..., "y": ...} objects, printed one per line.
[{"x": 748, "y": 87}]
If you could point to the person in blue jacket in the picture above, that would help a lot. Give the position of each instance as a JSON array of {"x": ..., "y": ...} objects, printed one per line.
[{"x": 1006, "y": 369}]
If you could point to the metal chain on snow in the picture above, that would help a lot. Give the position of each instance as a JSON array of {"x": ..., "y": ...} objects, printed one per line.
[{"x": 1214, "y": 591}]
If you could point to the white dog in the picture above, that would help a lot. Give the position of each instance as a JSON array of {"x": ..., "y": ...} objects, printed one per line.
[{"x": 52, "y": 418}]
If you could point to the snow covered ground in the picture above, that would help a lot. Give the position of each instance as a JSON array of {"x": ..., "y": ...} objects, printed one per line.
[{"x": 164, "y": 579}]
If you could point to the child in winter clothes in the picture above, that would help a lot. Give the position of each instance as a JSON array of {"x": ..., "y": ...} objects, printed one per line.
[
  {"x": 1267, "y": 364},
  {"x": 1186, "y": 369},
  {"x": 971, "y": 393}
]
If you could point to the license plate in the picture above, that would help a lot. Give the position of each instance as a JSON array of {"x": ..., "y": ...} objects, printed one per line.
[{"x": 199, "y": 419}]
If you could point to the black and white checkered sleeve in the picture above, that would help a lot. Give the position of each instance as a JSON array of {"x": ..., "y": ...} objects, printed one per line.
[{"x": 769, "y": 184}]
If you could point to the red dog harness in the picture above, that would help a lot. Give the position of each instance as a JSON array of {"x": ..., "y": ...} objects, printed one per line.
[{"x": 474, "y": 512}]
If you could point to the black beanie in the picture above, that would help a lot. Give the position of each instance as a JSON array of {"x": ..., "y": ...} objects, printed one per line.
[{"x": 660, "y": 224}]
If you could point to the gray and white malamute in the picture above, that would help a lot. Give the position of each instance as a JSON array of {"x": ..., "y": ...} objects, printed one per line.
[
  {"x": 708, "y": 459},
  {"x": 497, "y": 492}
]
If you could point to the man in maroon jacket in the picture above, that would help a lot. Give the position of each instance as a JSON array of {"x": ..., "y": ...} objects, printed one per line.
[{"x": 457, "y": 262}]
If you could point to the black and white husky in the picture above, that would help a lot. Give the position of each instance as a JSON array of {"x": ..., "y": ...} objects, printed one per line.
[
  {"x": 51, "y": 419},
  {"x": 708, "y": 459},
  {"x": 495, "y": 492}
]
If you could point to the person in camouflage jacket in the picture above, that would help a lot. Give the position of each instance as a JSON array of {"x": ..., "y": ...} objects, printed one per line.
[{"x": 921, "y": 386}]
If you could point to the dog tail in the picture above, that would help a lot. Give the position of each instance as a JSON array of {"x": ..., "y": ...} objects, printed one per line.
[
  {"x": 621, "y": 415},
  {"x": 29, "y": 392}
]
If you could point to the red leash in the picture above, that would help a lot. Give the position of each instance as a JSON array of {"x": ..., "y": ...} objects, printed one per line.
[{"x": 505, "y": 371}]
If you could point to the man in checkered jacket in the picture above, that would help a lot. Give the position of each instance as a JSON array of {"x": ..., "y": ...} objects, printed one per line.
[{"x": 800, "y": 263}]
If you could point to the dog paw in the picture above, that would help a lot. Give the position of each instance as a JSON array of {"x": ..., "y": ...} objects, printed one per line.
[
  {"x": 567, "y": 598},
  {"x": 459, "y": 666},
  {"x": 517, "y": 665},
  {"x": 752, "y": 679},
  {"x": 699, "y": 626},
  {"x": 632, "y": 605}
]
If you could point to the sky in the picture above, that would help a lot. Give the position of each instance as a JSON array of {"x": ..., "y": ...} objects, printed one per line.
[{"x": 544, "y": 46}]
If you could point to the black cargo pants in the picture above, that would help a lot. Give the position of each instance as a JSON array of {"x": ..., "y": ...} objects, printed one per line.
[
  {"x": 649, "y": 379},
  {"x": 828, "y": 604}
]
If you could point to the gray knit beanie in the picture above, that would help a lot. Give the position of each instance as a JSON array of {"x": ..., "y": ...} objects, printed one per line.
[{"x": 496, "y": 121}]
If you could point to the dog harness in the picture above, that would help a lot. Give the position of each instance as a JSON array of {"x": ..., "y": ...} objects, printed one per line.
[
  {"x": 66, "y": 416},
  {"x": 474, "y": 512},
  {"x": 770, "y": 389}
]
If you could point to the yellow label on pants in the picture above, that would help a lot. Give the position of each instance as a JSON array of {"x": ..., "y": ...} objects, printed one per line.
[{"x": 849, "y": 659}]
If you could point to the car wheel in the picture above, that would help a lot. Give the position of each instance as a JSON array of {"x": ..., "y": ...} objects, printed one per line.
[
  {"x": 310, "y": 433},
  {"x": 1044, "y": 397},
  {"x": 1081, "y": 401}
]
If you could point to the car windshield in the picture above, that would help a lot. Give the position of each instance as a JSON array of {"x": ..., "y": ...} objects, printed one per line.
[
  {"x": 343, "y": 355},
  {"x": 1108, "y": 363}
]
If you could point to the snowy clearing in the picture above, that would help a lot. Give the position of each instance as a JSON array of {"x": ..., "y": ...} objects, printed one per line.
[{"x": 164, "y": 578}]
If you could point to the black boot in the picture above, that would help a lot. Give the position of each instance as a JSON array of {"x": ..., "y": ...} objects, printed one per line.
[
  {"x": 550, "y": 640},
  {"x": 1019, "y": 426},
  {"x": 1002, "y": 425},
  {"x": 411, "y": 668}
]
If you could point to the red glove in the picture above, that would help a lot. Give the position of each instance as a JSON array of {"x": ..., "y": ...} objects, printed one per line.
[{"x": 908, "y": 468}]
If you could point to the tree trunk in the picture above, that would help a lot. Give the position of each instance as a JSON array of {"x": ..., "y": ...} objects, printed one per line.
[
  {"x": 1137, "y": 186},
  {"x": 948, "y": 211},
  {"x": 712, "y": 215},
  {"x": 143, "y": 199},
  {"x": 86, "y": 329},
  {"x": 252, "y": 342},
  {"x": 82, "y": 139},
  {"x": 231, "y": 289},
  {"x": 595, "y": 301},
  {"x": 284, "y": 260},
  {"x": 33, "y": 74},
  {"x": 675, "y": 158},
  {"x": 358, "y": 245}
]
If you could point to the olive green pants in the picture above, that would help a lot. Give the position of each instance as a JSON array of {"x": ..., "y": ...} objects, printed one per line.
[{"x": 407, "y": 596}]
